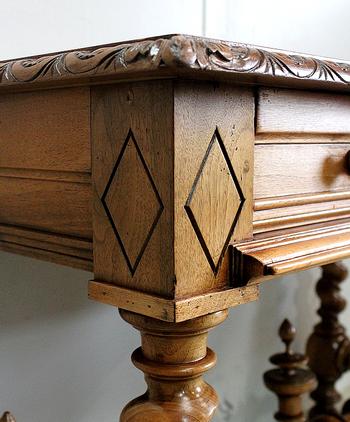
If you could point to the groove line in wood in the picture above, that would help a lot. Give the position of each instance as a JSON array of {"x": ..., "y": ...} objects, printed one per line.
[
  {"x": 262, "y": 204},
  {"x": 38, "y": 174},
  {"x": 56, "y": 257},
  {"x": 300, "y": 219},
  {"x": 55, "y": 238},
  {"x": 301, "y": 138}
]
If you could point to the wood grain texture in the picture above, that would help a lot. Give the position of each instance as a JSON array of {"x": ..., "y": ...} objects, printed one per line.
[
  {"x": 133, "y": 185},
  {"x": 50, "y": 206},
  {"x": 46, "y": 130},
  {"x": 301, "y": 138},
  {"x": 285, "y": 111},
  {"x": 132, "y": 300},
  {"x": 213, "y": 181},
  {"x": 196, "y": 306},
  {"x": 173, "y": 55},
  {"x": 174, "y": 358},
  {"x": 45, "y": 176},
  {"x": 168, "y": 309},
  {"x": 300, "y": 215},
  {"x": 300, "y": 169},
  {"x": 284, "y": 201}
]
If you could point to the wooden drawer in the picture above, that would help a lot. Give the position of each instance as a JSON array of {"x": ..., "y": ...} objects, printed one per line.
[
  {"x": 300, "y": 169},
  {"x": 301, "y": 146},
  {"x": 288, "y": 115}
]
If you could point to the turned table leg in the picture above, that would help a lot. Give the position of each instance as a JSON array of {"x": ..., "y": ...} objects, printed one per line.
[
  {"x": 173, "y": 356},
  {"x": 328, "y": 346}
]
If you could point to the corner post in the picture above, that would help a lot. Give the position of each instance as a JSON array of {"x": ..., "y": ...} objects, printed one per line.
[{"x": 172, "y": 170}]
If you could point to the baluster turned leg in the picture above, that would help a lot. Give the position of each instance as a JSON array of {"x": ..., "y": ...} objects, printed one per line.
[
  {"x": 173, "y": 357},
  {"x": 7, "y": 417},
  {"x": 290, "y": 380},
  {"x": 328, "y": 346}
]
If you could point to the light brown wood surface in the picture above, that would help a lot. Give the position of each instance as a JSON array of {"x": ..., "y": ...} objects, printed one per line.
[
  {"x": 174, "y": 358},
  {"x": 45, "y": 175},
  {"x": 180, "y": 186},
  {"x": 51, "y": 206},
  {"x": 288, "y": 111},
  {"x": 171, "y": 310},
  {"x": 299, "y": 169},
  {"x": 273, "y": 256},
  {"x": 46, "y": 130},
  {"x": 213, "y": 180},
  {"x": 301, "y": 172},
  {"x": 140, "y": 195}
]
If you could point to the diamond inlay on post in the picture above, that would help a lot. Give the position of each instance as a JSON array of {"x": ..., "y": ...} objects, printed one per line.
[
  {"x": 216, "y": 186},
  {"x": 132, "y": 198}
]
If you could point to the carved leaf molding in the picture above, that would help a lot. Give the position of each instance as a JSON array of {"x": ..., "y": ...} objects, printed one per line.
[{"x": 177, "y": 51}]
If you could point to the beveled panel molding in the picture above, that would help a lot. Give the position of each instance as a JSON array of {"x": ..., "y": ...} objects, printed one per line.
[
  {"x": 214, "y": 234},
  {"x": 136, "y": 196}
]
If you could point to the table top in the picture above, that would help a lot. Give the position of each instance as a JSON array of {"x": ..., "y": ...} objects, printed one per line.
[{"x": 176, "y": 55}]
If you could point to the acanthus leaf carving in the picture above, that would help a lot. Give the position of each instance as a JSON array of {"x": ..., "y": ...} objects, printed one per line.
[{"x": 177, "y": 52}]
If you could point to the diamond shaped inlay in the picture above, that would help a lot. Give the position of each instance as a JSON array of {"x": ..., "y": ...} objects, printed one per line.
[
  {"x": 132, "y": 202},
  {"x": 215, "y": 202}
]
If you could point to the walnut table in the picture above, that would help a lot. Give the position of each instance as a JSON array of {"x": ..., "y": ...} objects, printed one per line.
[{"x": 183, "y": 172}]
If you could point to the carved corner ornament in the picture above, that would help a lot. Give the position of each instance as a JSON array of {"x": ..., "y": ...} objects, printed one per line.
[
  {"x": 7, "y": 417},
  {"x": 174, "y": 54}
]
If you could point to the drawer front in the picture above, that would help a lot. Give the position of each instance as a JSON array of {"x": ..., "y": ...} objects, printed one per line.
[
  {"x": 300, "y": 169},
  {"x": 283, "y": 112},
  {"x": 301, "y": 149}
]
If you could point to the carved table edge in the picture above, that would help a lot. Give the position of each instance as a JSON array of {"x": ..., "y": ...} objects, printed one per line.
[
  {"x": 172, "y": 56},
  {"x": 170, "y": 310}
]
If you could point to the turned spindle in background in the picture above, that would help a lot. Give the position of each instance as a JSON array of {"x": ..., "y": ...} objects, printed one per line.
[
  {"x": 7, "y": 417},
  {"x": 328, "y": 347},
  {"x": 290, "y": 380}
]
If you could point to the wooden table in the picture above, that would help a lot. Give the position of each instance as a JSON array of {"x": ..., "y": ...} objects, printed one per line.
[{"x": 183, "y": 172}]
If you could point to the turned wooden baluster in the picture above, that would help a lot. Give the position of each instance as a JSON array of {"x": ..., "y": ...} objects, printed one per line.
[
  {"x": 291, "y": 380},
  {"x": 328, "y": 346},
  {"x": 7, "y": 417},
  {"x": 173, "y": 357}
]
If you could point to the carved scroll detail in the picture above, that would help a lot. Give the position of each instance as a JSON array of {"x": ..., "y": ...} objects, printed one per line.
[{"x": 177, "y": 51}]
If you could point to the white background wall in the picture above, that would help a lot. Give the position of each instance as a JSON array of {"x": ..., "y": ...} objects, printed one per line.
[{"x": 65, "y": 359}]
